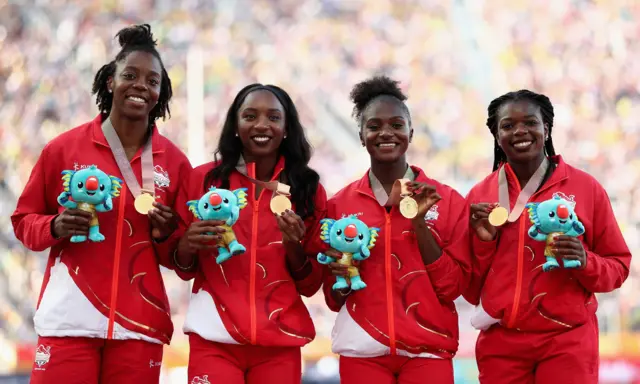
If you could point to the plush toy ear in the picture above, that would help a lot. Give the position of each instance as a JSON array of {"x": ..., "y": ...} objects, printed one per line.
[
  {"x": 241, "y": 194},
  {"x": 373, "y": 232},
  {"x": 532, "y": 208},
  {"x": 325, "y": 229},
  {"x": 116, "y": 186},
  {"x": 193, "y": 207},
  {"x": 66, "y": 179},
  {"x": 212, "y": 188}
]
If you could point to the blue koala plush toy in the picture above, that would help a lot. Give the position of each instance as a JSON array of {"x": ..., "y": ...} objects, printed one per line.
[
  {"x": 550, "y": 218},
  {"x": 222, "y": 204},
  {"x": 90, "y": 190},
  {"x": 354, "y": 239}
]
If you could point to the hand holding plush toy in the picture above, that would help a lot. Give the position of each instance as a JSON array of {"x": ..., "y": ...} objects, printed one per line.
[
  {"x": 354, "y": 239},
  {"x": 551, "y": 218},
  {"x": 90, "y": 190},
  {"x": 224, "y": 205}
]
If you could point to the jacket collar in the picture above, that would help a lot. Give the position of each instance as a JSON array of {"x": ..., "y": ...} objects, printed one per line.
[
  {"x": 364, "y": 184},
  {"x": 157, "y": 143},
  {"x": 249, "y": 169}
]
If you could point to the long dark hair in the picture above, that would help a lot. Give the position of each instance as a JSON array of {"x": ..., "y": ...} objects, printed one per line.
[
  {"x": 133, "y": 39},
  {"x": 295, "y": 149},
  {"x": 546, "y": 109}
]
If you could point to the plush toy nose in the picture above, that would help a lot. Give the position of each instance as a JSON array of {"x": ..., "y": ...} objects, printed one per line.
[
  {"x": 563, "y": 211},
  {"x": 215, "y": 199},
  {"x": 351, "y": 231},
  {"x": 92, "y": 183}
]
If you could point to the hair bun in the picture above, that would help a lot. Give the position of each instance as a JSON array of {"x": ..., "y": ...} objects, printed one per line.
[{"x": 136, "y": 35}]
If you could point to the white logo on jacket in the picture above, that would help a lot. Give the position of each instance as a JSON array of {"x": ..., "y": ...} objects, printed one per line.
[
  {"x": 200, "y": 380},
  {"x": 344, "y": 215},
  {"x": 43, "y": 354},
  {"x": 432, "y": 213},
  {"x": 161, "y": 177},
  {"x": 570, "y": 198},
  {"x": 154, "y": 363},
  {"x": 77, "y": 167}
]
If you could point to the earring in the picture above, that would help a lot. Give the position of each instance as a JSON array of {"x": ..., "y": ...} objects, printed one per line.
[
  {"x": 285, "y": 136},
  {"x": 110, "y": 91},
  {"x": 236, "y": 134}
]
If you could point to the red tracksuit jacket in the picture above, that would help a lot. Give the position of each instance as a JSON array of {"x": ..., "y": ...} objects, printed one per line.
[
  {"x": 250, "y": 298},
  {"x": 82, "y": 278},
  {"x": 407, "y": 308},
  {"x": 506, "y": 275}
]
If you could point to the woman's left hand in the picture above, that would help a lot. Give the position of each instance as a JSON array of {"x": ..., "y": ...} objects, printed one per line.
[
  {"x": 570, "y": 248},
  {"x": 163, "y": 221},
  {"x": 425, "y": 195},
  {"x": 291, "y": 226}
]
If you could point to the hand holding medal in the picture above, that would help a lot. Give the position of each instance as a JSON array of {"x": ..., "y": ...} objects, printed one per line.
[
  {"x": 421, "y": 197},
  {"x": 481, "y": 220}
]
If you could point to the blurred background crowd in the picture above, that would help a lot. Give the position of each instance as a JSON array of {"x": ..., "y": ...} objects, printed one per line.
[{"x": 452, "y": 58}]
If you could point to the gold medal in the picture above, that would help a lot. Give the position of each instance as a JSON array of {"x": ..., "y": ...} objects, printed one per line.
[
  {"x": 498, "y": 216},
  {"x": 408, "y": 207},
  {"x": 144, "y": 203},
  {"x": 279, "y": 204}
]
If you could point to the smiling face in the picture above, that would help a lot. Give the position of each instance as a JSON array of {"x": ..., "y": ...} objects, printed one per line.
[
  {"x": 90, "y": 185},
  {"x": 261, "y": 124},
  {"x": 385, "y": 130},
  {"x": 349, "y": 235},
  {"x": 217, "y": 205},
  {"x": 136, "y": 85},
  {"x": 521, "y": 132}
]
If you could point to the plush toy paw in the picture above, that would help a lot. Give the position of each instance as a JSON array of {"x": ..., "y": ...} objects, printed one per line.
[
  {"x": 357, "y": 283},
  {"x": 551, "y": 264},
  {"x": 571, "y": 263},
  {"x": 236, "y": 248},
  {"x": 78, "y": 238},
  {"x": 341, "y": 283},
  {"x": 223, "y": 255}
]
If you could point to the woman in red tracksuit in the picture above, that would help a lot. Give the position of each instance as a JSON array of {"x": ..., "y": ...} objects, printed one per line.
[
  {"x": 403, "y": 327},
  {"x": 537, "y": 326},
  {"x": 103, "y": 314},
  {"x": 246, "y": 320}
]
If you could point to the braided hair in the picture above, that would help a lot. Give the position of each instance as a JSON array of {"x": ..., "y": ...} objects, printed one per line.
[
  {"x": 133, "y": 39},
  {"x": 369, "y": 90},
  {"x": 546, "y": 109}
]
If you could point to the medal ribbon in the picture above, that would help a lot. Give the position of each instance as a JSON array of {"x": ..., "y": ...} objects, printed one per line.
[
  {"x": 398, "y": 191},
  {"x": 525, "y": 194},
  {"x": 124, "y": 164}
]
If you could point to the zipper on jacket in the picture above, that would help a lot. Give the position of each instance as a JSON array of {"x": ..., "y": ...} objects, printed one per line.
[
  {"x": 252, "y": 265},
  {"x": 116, "y": 261},
  {"x": 389, "y": 283},
  {"x": 521, "y": 232}
]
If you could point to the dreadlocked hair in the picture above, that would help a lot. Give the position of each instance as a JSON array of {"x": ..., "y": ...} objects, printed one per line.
[
  {"x": 546, "y": 109},
  {"x": 366, "y": 91},
  {"x": 295, "y": 148},
  {"x": 133, "y": 39}
]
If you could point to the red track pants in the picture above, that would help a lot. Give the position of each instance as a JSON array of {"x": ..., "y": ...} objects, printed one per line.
[{"x": 395, "y": 370}]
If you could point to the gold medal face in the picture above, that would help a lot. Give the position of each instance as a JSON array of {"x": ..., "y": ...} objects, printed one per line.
[
  {"x": 279, "y": 204},
  {"x": 498, "y": 216},
  {"x": 144, "y": 203},
  {"x": 408, "y": 207}
]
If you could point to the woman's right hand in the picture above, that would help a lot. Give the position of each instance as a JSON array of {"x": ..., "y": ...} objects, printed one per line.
[
  {"x": 71, "y": 222},
  {"x": 479, "y": 219},
  {"x": 201, "y": 235}
]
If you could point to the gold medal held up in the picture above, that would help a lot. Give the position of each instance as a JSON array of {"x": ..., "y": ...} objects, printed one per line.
[
  {"x": 408, "y": 205},
  {"x": 144, "y": 203},
  {"x": 498, "y": 216},
  {"x": 279, "y": 204}
]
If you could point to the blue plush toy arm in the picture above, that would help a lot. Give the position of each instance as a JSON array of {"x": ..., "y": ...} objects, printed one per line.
[
  {"x": 106, "y": 206},
  {"x": 535, "y": 234},
  {"x": 363, "y": 254},
  {"x": 576, "y": 230},
  {"x": 63, "y": 200},
  {"x": 235, "y": 214},
  {"x": 324, "y": 259}
]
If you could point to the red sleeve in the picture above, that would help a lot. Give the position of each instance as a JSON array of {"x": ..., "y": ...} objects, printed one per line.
[
  {"x": 608, "y": 256},
  {"x": 164, "y": 249},
  {"x": 309, "y": 285},
  {"x": 450, "y": 274},
  {"x": 190, "y": 188},
  {"x": 481, "y": 253},
  {"x": 37, "y": 207}
]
